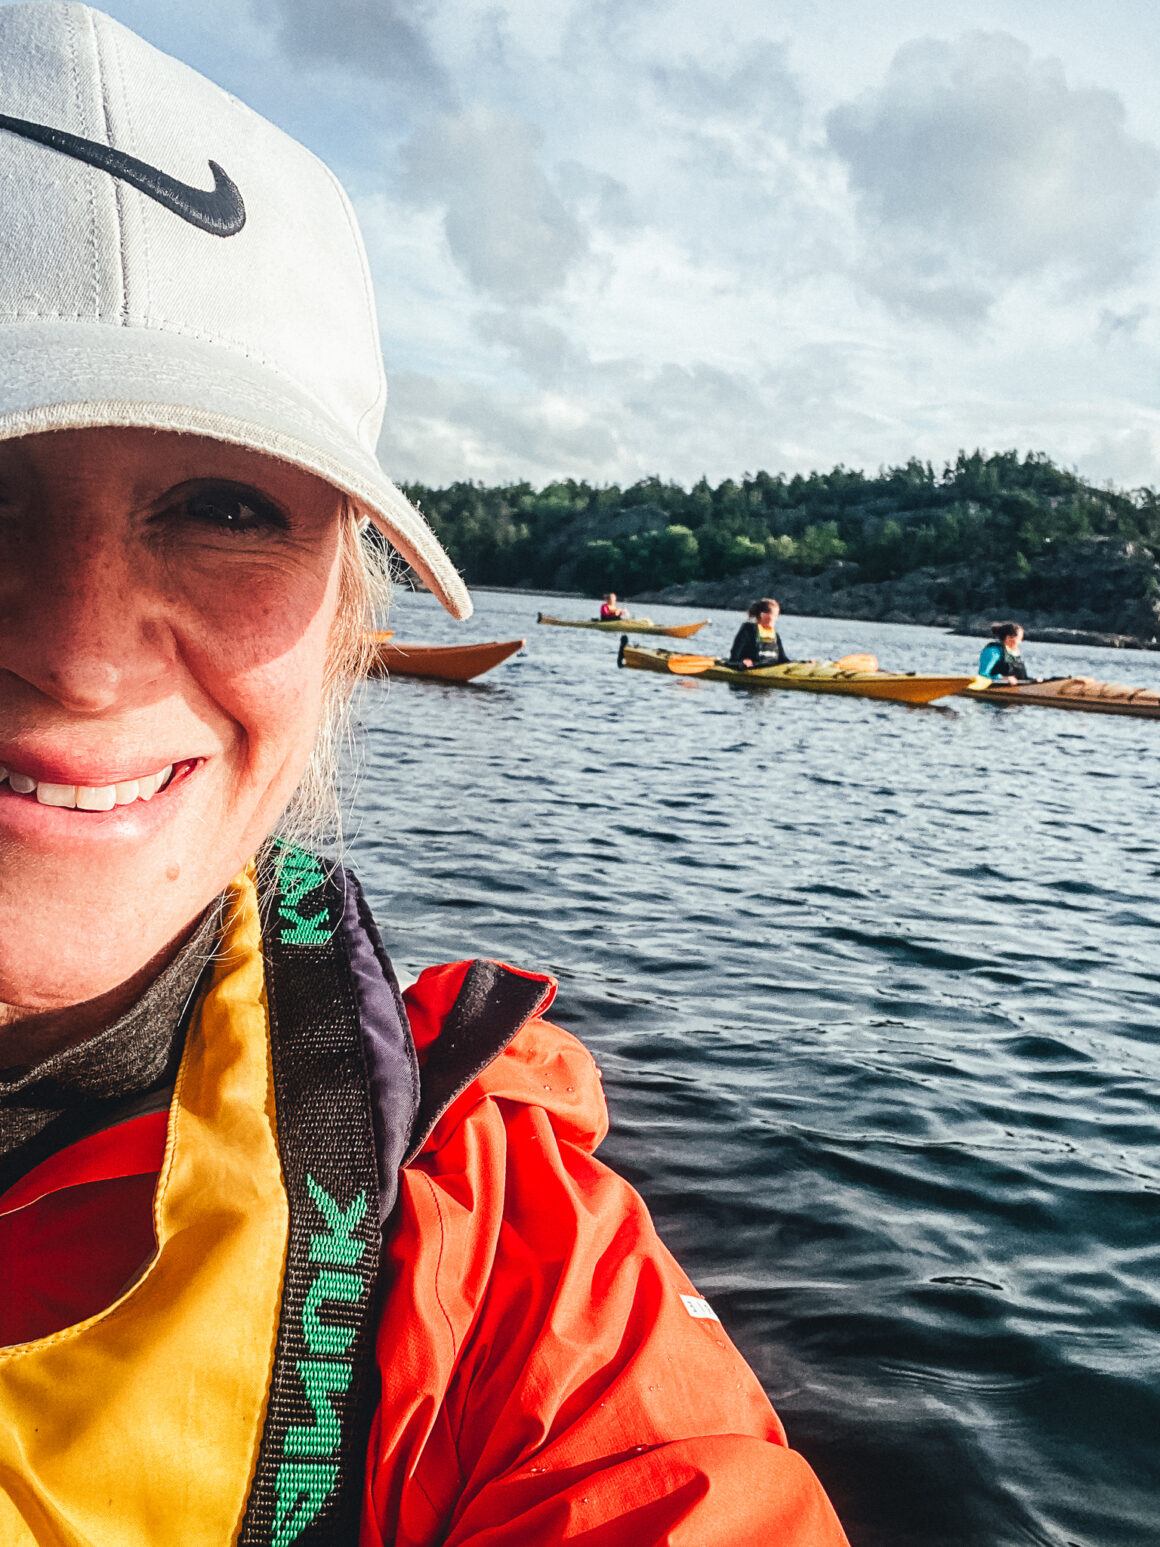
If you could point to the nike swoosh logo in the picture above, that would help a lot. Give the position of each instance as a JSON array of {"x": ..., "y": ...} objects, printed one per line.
[{"x": 218, "y": 210}]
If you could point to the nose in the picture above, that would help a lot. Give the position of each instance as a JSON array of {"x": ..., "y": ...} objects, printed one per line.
[{"x": 82, "y": 624}]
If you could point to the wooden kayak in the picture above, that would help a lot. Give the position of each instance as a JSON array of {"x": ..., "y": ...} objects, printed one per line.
[
  {"x": 447, "y": 663},
  {"x": 626, "y": 625},
  {"x": 805, "y": 677},
  {"x": 1073, "y": 693}
]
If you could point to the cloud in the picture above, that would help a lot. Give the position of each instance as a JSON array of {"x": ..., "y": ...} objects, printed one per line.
[
  {"x": 508, "y": 230},
  {"x": 617, "y": 420},
  {"x": 1116, "y": 325},
  {"x": 604, "y": 200},
  {"x": 760, "y": 88},
  {"x": 1129, "y": 458},
  {"x": 439, "y": 430},
  {"x": 978, "y": 163},
  {"x": 541, "y": 350},
  {"x": 629, "y": 239},
  {"x": 386, "y": 39},
  {"x": 731, "y": 165}
]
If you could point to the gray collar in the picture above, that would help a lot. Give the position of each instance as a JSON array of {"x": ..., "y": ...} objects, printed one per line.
[{"x": 78, "y": 1089}]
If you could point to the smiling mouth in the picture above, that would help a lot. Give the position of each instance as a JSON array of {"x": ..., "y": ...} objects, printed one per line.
[{"x": 85, "y": 797}]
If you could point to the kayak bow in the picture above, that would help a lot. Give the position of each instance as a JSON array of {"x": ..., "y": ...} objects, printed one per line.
[{"x": 446, "y": 663}]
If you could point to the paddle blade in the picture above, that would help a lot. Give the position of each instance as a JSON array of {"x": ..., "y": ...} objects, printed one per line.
[
  {"x": 689, "y": 665},
  {"x": 858, "y": 662}
]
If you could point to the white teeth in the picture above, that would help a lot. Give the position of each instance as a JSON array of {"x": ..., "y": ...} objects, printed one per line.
[
  {"x": 89, "y": 799},
  {"x": 57, "y": 794},
  {"x": 85, "y": 797}
]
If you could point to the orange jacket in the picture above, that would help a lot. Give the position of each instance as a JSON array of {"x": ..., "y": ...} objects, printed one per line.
[{"x": 543, "y": 1378}]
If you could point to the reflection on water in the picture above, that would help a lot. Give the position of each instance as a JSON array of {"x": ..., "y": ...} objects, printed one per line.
[{"x": 874, "y": 993}]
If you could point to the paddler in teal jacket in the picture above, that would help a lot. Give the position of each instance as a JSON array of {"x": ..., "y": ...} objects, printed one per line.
[{"x": 1001, "y": 660}]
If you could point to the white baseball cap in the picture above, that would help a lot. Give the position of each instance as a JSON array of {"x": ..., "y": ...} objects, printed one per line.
[{"x": 170, "y": 260}]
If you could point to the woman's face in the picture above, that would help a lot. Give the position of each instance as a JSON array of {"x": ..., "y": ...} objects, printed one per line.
[{"x": 165, "y": 603}]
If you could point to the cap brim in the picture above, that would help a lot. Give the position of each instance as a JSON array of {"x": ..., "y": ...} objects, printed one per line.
[{"x": 77, "y": 375}]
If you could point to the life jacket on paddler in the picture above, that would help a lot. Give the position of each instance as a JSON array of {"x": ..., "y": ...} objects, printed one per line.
[
  {"x": 997, "y": 660},
  {"x": 342, "y": 1290},
  {"x": 754, "y": 643}
]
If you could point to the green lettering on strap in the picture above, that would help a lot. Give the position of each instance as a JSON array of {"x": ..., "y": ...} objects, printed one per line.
[
  {"x": 328, "y": 1285},
  {"x": 300, "y": 1490},
  {"x": 299, "y": 874},
  {"x": 338, "y": 1247},
  {"x": 319, "y": 1377}
]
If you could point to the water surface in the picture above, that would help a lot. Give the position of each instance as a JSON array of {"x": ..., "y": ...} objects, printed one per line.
[{"x": 874, "y": 993}]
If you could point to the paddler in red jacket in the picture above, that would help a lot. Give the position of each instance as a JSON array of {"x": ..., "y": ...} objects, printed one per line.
[{"x": 286, "y": 1256}]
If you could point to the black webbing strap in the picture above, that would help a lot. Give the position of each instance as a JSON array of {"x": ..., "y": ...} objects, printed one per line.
[{"x": 307, "y": 1487}]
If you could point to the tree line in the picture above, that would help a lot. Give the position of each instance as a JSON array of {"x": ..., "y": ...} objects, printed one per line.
[{"x": 1004, "y": 509}]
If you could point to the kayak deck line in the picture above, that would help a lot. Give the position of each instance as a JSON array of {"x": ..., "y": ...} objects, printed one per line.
[
  {"x": 623, "y": 625},
  {"x": 1086, "y": 693},
  {"x": 804, "y": 676},
  {"x": 443, "y": 663}
]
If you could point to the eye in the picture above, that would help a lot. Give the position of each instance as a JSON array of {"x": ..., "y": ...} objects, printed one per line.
[{"x": 228, "y": 507}]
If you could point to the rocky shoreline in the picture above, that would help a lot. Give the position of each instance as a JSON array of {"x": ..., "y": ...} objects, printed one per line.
[{"x": 1098, "y": 592}]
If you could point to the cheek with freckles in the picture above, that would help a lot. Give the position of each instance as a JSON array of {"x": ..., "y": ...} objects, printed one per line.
[{"x": 262, "y": 663}]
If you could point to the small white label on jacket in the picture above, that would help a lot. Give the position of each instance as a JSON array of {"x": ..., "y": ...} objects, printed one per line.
[{"x": 699, "y": 1309}]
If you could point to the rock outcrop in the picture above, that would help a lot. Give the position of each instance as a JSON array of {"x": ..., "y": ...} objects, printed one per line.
[{"x": 1097, "y": 591}]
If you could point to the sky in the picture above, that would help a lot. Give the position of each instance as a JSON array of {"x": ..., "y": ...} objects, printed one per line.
[{"x": 617, "y": 238}]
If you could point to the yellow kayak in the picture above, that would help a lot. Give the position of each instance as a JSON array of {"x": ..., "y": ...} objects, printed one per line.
[
  {"x": 799, "y": 676},
  {"x": 1071, "y": 693},
  {"x": 629, "y": 625}
]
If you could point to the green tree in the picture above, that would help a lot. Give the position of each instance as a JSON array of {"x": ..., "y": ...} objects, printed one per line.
[
  {"x": 600, "y": 567},
  {"x": 665, "y": 557},
  {"x": 818, "y": 545}
]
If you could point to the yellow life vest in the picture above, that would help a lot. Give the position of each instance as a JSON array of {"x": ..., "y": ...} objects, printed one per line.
[
  {"x": 222, "y": 1397},
  {"x": 140, "y": 1426}
]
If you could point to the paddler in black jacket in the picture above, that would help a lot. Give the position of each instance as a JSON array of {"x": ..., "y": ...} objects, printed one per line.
[{"x": 757, "y": 642}]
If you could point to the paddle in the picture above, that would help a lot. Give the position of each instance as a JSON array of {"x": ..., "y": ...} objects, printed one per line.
[
  {"x": 690, "y": 665},
  {"x": 978, "y": 683}
]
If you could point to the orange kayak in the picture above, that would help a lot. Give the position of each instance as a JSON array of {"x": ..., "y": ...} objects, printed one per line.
[{"x": 447, "y": 663}]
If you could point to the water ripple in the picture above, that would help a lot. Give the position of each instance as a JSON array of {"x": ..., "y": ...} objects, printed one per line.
[{"x": 874, "y": 996}]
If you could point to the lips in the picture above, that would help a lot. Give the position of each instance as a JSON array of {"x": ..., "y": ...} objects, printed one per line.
[{"x": 85, "y": 797}]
